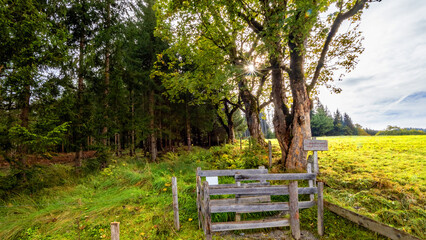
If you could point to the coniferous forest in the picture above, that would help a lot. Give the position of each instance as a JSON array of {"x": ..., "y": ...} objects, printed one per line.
[{"x": 79, "y": 75}]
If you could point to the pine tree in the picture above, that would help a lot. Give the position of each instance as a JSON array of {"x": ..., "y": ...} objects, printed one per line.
[
  {"x": 321, "y": 121},
  {"x": 338, "y": 123}
]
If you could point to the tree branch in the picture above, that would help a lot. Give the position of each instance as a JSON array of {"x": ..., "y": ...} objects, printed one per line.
[
  {"x": 254, "y": 25},
  {"x": 265, "y": 104},
  {"x": 359, "y": 5}
]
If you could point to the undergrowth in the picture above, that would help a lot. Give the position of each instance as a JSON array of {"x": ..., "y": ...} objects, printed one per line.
[{"x": 136, "y": 193}]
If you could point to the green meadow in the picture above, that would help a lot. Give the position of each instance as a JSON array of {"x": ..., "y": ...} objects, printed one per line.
[{"x": 380, "y": 177}]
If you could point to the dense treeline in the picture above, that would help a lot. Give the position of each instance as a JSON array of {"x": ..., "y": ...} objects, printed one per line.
[
  {"x": 77, "y": 75},
  {"x": 395, "y": 131},
  {"x": 325, "y": 124},
  {"x": 81, "y": 74}
]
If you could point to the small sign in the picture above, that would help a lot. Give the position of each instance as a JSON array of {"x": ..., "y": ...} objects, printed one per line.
[
  {"x": 315, "y": 145},
  {"x": 212, "y": 180}
]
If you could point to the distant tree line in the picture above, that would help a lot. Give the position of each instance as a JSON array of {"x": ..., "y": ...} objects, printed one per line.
[
  {"x": 323, "y": 123},
  {"x": 395, "y": 131}
]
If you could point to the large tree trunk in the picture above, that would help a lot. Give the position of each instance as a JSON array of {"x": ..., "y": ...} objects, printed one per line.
[
  {"x": 152, "y": 137},
  {"x": 291, "y": 128},
  {"x": 252, "y": 113},
  {"x": 301, "y": 121}
]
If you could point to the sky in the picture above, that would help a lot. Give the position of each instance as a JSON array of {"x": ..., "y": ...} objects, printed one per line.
[{"x": 388, "y": 85}]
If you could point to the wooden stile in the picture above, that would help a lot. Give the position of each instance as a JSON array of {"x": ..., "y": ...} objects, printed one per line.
[{"x": 253, "y": 197}]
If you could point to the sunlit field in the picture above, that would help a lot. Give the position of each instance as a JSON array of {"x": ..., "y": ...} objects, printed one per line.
[{"x": 380, "y": 177}]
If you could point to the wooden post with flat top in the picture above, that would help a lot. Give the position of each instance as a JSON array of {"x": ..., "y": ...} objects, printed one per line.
[
  {"x": 115, "y": 231},
  {"x": 175, "y": 203},
  {"x": 270, "y": 153}
]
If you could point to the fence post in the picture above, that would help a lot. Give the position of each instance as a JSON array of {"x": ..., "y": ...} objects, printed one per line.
[
  {"x": 175, "y": 203},
  {"x": 320, "y": 209},
  {"x": 294, "y": 210},
  {"x": 309, "y": 170},
  {"x": 207, "y": 217},
  {"x": 115, "y": 231},
  {"x": 237, "y": 200},
  {"x": 270, "y": 153}
]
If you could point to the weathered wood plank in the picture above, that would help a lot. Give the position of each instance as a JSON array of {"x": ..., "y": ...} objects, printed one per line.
[
  {"x": 228, "y": 201},
  {"x": 257, "y": 207},
  {"x": 115, "y": 231},
  {"x": 311, "y": 182},
  {"x": 263, "y": 190},
  {"x": 320, "y": 216},
  {"x": 175, "y": 203},
  {"x": 369, "y": 223},
  {"x": 315, "y": 145},
  {"x": 270, "y": 153},
  {"x": 294, "y": 210},
  {"x": 275, "y": 176},
  {"x": 198, "y": 181},
  {"x": 242, "y": 184},
  {"x": 207, "y": 212},
  {"x": 219, "y": 173},
  {"x": 267, "y": 223}
]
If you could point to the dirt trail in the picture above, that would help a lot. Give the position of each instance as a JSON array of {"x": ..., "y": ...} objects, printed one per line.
[{"x": 62, "y": 158}]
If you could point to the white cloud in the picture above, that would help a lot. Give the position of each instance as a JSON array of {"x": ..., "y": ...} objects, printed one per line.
[{"x": 392, "y": 67}]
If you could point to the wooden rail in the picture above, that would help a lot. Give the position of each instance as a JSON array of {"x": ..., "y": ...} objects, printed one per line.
[
  {"x": 369, "y": 223},
  {"x": 253, "y": 197}
]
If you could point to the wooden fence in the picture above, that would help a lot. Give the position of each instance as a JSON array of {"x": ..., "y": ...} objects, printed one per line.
[{"x": 255, "y": 197}]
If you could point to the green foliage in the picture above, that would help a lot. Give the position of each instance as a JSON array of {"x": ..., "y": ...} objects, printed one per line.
[
  {"x": 138, "y": 195},
  {"x": 36, "y": 142},
  {"x": 396, "y": 131},
  {"x": 321, "y": 121}
]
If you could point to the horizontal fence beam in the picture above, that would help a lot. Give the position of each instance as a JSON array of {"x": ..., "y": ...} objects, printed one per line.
[
  {"x": 369, "y": 223},
  {"x": 275, "y": 176},
  {"x": 229, "y": 226},
  {"x": 219, "y": 173},
  {"x": 235, "y": 185},
  {"x": 227, "y": 201},
  {"x": 264, "y": 190},
  {"x": 257, "y": 207}
]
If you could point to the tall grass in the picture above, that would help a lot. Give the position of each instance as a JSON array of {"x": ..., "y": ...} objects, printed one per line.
[
  {"x": 380, "y": 177},
  {"x": 138, "y": 195}
]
